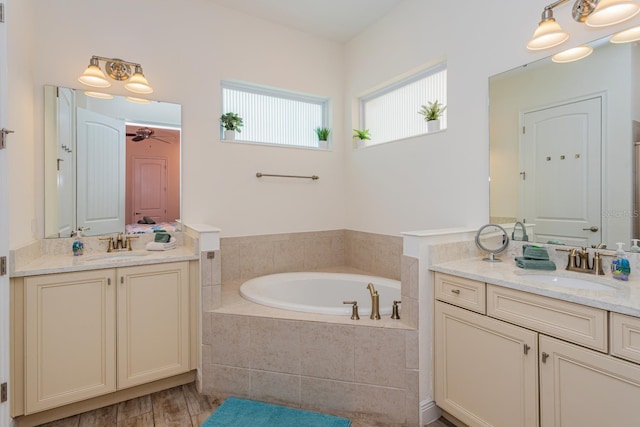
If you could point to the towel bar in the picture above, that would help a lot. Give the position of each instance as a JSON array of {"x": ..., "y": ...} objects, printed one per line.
[{"x": 313, "y": 177}]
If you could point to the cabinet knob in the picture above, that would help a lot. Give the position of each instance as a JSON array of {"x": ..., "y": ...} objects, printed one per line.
[
  {"x": 455, "y": 291},
  {"x": 527, "y": 348},
  {"x": 545, "y": 356}
]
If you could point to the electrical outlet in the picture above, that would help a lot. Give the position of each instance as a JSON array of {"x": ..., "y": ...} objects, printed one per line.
[{"x": 3, "y": 392}]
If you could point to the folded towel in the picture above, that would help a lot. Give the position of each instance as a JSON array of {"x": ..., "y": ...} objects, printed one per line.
[
  {"x": 162, "y": 237},
  {"x": 159, "y": 246},
  {"x": 534, "y": 264},
  {"x": 535, "y": 252}
]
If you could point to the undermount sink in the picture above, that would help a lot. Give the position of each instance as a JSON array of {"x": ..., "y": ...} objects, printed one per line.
[
  {"x": 568, "y": 282},
  {"x": 111, "y": 256}
]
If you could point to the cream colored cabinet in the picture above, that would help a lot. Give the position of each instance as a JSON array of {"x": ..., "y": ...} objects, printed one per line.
[
  {"x": 486, "y": 369},
  {"x": 153, "y": 322},
  {"x": 91, "y": 333},
  {"x": 70, "y": 352},
  {"x": 581, "y": 387}
]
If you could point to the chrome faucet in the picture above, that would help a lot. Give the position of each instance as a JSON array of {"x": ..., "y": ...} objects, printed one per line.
[{"x": 375, "y": 302}]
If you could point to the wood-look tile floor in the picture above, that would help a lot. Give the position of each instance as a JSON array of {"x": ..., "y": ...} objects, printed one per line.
[{"x": 180, "y": 406}]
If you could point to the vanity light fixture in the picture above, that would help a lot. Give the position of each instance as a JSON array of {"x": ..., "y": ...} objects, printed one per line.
[
  {"x": 117, "y": 69},
  {"x": 573, "y": 54},
  {"x": 626, "y": 36},
  {"x": 595, "y": 13}
]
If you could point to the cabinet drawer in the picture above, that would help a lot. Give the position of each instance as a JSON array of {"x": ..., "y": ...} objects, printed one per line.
[
  {"x": 461, "y": 292},
  {"x": 577, "y": 323},
  {"x": 625, "y": 337}
]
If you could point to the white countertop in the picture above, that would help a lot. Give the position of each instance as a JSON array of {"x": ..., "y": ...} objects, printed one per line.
[
  {"x": 49, "y": 264},
  {"x": 624, "y": 297}
]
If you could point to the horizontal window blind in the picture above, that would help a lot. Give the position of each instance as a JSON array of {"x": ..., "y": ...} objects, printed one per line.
[
  {"x": 392, "y": 113},
  {"x": 275, "y": 117}
]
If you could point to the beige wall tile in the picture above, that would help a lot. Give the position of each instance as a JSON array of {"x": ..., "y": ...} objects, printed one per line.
[
  {"x": 277, "y": 388},
  {"x": 288, "y": 255},
  {"x": 256, "y": 259},
  {"x": 327, "y": 351},
  {"x": 387, "y": 403},
  {"x": 410, "y": 276},
  {"x": 409, "y": 313},
  {"x": 207, "y": 298},
  {"x": 216, "y": 277},
  {"x": 380, "y": 356},
  {"x": 216, "y": 297},
  {"x": 206, "y": 270},
  {"x": 327, "y": 395},
  {"x": 207, "y": 331},
  {"x": 412, "y": 397},
  {"x": 411, "y": 349},
  {"x": 275, "y": 345},
  {"x": 230, "y": 340},
  {"x": 228, "y": 381},
  {"x": 230, "y": 259}
]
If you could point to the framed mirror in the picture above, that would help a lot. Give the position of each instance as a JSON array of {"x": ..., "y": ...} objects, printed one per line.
[
  {"x": 111, "y": 165},
  {"x": 563, "y": 142}
]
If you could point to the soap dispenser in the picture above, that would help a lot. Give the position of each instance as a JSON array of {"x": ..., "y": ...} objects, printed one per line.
[
  {"x": 634, "y": 246},
  {"x": 77, "y": 246},
  {"x": 620, "y": 268}
]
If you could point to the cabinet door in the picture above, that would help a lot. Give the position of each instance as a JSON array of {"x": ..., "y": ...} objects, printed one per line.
[
  {"x": 580, "y": 387},
  {"x": 486, "y": 370},
  {"x": 153, "y": 322},
  {"x": 69, "y": 338}
]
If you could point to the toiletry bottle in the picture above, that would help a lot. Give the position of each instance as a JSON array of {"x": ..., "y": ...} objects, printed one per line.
[
  {"x": 620, "y": 268},
  {"x": 635, "y": 247},
  {"x": 77, "y": 246}
]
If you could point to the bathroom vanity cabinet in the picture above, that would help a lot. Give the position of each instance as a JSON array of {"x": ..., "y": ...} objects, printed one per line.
[
  {"x": 504, "y": 357},
  {"x": 84, "y": 334}
]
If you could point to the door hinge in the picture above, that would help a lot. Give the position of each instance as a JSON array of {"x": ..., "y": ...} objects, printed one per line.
[
  {"x": 3, "y": 265},
  {"x": 2, "y": 13},
  {"x": 523, "y": 130},
  {"x": 3, "y": 136},
  {"x": 3, "y": 392},
  {"x": 523, "y": 175}
]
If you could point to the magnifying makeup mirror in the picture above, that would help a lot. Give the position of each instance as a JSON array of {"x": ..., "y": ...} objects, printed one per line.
[{"x": 493, "y": 239}]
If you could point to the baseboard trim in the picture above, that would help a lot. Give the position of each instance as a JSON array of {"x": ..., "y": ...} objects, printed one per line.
[{"x": 429, "y": 412}]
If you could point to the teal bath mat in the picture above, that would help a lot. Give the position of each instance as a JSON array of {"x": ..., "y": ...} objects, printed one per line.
[{"x": 236, "y": 412}]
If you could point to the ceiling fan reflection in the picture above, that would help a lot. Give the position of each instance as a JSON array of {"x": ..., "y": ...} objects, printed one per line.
[{"x": 146, "y": 133}]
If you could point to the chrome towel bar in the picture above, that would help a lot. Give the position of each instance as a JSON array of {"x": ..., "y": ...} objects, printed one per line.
[{"x": 313, "y": 177}]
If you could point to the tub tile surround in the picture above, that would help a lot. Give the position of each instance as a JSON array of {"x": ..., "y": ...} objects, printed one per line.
[
  {"x": 312, "y": 361},
  {"x": 252, "y": 256}
]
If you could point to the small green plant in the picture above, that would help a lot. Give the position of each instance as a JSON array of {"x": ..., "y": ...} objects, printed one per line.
[
  {"x": 432, "y": 111},
  {"x": 361, "y": 134},
  {"x": 231, "y": 121},
  {"x": 323, "y": 133}
]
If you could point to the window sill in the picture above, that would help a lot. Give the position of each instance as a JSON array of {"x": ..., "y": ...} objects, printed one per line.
[
  {"x": 409, "y": 138},
  {"x": 266, "y": 144}
]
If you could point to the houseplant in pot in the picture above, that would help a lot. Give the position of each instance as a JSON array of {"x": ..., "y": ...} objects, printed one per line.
[
  {"x": 361, "y": 136},
  {"x": 232, "y": 124},
  {"x": 323, "y": 136},
  {"x": 432, "y": 113}
]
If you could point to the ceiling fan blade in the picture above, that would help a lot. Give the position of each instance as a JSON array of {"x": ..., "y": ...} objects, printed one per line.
[
  {"x": 137, "y": 138},
  {"x": 160, "y": 139},
  {"x": 131, "y": 134}
]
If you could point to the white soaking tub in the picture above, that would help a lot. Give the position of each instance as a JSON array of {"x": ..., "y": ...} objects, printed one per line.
[{"x": 323, "y": 293}]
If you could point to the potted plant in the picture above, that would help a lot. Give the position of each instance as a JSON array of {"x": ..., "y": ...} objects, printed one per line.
[
  {"x": 432, "y": 113},
  {"x": 232, "y": 124},
  {"x": 323, "y": 136},
  {"x": 361, "y": 136}
]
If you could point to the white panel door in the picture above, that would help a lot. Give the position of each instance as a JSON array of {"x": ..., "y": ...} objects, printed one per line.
[
  {"x": 5, "y": 419},
  {"x": 150, "y": 188},
  {"x": 561, "y": 160},
  {"x": 101, "y": 173}
]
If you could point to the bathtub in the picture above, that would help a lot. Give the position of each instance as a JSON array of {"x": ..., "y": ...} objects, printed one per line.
[{"x": 321, "y": 293}]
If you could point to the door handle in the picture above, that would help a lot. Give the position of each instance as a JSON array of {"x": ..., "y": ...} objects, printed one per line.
[{"x": 593, "y": 228}]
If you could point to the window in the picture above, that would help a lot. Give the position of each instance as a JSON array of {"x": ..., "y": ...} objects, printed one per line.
[
  {"x": 392, "y": 113},
  {"x": 275, "y": 116}
]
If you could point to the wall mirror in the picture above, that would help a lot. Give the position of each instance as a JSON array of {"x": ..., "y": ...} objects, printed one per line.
[
  {"x": 111, "y": 165},
  {"x": 563, "y": 147}
]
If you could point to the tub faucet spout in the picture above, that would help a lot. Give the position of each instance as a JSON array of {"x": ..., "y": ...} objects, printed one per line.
[{"x": 375, "y": 302}]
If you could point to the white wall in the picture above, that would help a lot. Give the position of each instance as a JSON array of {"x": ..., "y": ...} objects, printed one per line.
[
  {"x": 428, "y": 182},
  {"x": 180, "y": 44},
  {"x": 439, "y": 180}
]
